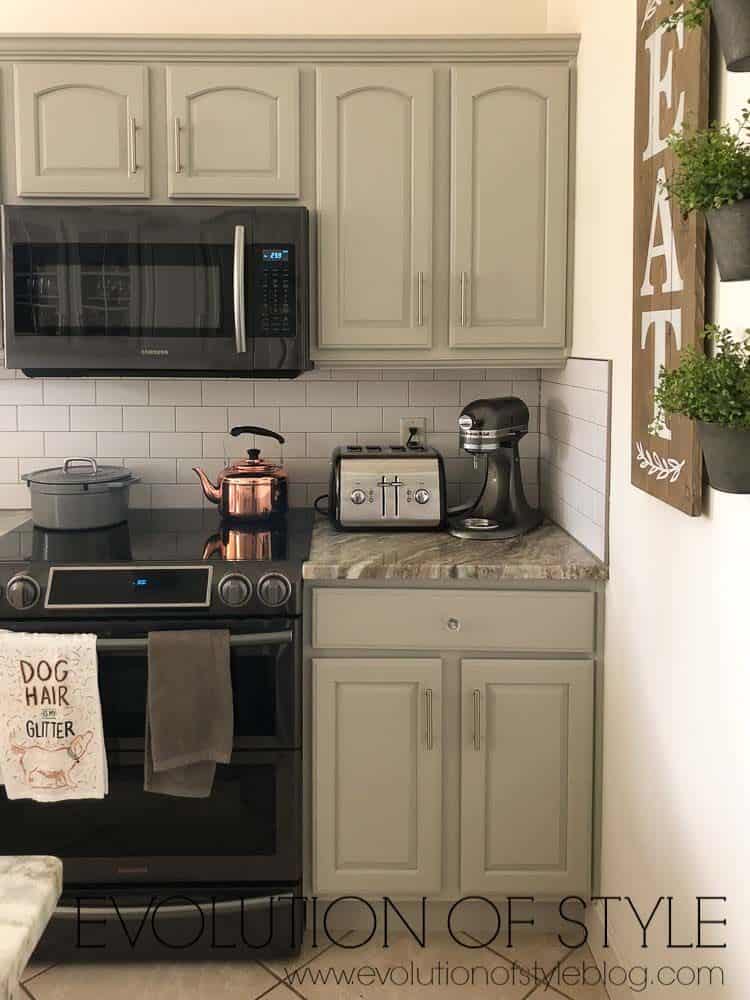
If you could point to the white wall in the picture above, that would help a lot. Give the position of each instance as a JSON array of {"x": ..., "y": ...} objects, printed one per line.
[
  {"x": 258, "y": 17},
  {"x": 677, "y": 751}
]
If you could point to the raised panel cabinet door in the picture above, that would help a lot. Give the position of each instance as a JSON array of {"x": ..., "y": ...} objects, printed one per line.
[
  {"x": 526, "y": 777},
  {"x": 233, "y": 131},
  {"x": 375, "y": 152},
  {"x": 377, "y": 776},
  {"x": 82, "y": 130},
  {"x": 509, "y": 213}
]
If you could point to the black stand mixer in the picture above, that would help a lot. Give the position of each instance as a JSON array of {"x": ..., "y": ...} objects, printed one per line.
[{"x": 493, "y": 428}]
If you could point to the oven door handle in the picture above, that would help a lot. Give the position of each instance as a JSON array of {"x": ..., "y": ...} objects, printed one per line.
[
  {"x": 139, "y": 912},
  {"x": 283, "y": 638}
]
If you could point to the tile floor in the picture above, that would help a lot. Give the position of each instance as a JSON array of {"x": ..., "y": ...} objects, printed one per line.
[{"x": 439, "y": 971}]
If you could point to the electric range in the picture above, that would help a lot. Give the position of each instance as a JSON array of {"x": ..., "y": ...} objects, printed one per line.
[{"x": 239, "y": 852}]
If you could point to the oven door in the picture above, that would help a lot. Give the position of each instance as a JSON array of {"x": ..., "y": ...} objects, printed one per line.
[
  {"x": 248, "y": 830},
  {"x": 160, "y": 289}
]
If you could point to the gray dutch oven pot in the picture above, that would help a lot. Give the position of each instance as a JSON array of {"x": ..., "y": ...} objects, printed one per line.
[{"x": 79, "y": 495}]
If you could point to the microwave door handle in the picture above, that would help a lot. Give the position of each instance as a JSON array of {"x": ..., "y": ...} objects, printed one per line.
[
  {"x": 240, "y": 335},
  {"x": 283, "y": 638}
]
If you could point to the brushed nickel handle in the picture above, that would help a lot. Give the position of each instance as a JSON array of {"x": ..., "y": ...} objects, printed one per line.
[
  {"x": 132, "y": 161},
  {"x": 453, "y": 624},
  {"x": 463, "y": 298},
  {"x": 420, "y": 298},
  {"x": 240, "y": 337},
  {"x": 477, "y": 719},
  {"x": 429, "y": 737},
  {"x": 177, "y": 155}
]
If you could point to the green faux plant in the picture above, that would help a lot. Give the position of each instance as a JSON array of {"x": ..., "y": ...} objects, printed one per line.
[
  {"x": 714, "y": 389},
  {"x": 713, "y": 165},
  {"x": 691, "y": 13}
]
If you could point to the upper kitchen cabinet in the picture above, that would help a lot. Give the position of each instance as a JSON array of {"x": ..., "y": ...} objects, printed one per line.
[
  {"x": 509, "y": 211},
  {"x": 81, "y": 130},
  {"x": 234, "y": 131},
  {"x": 375, "y": 180}
]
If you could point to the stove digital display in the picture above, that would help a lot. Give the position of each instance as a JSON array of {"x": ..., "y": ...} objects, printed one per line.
[{"x": 72, "y": 587}]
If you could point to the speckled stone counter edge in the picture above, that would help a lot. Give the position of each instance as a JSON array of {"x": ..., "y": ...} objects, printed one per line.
[{"x": 29, "y": 890}]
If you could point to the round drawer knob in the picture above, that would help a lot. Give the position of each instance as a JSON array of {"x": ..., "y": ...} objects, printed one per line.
[
  {"x": 235, "y": 590},
  {"x": 22, "y": 592},
  {"x": 453, "y": 624},
  {"x": 422, "y": 496},
  {"x": 274, "y": 590},
  {"x": 358, "y": 496}
]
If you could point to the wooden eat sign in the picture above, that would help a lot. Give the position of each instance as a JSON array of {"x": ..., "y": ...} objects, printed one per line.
[{"x": 670, "y": 252}]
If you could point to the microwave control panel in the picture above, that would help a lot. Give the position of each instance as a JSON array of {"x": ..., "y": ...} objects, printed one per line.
[{"x": 274, "y": 291}]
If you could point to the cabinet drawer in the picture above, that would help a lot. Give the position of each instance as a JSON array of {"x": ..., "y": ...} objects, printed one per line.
[{"x": 512, "y": 620}]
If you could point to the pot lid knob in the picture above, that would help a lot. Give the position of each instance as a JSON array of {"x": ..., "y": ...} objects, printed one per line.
[{"x": 253, "y": 454}]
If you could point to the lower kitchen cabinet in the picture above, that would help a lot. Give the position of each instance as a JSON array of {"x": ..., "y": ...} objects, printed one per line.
[
  {"x": 526, "y": 776},
  {"x": 377, "y": 776}
]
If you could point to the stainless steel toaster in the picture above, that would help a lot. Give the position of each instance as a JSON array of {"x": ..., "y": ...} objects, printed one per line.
[{"x": 387, "y": 487}]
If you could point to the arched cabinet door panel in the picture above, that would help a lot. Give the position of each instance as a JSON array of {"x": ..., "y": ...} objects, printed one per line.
[
  {"x": 509, "y": 213},
  {"x": 233, "y": 131},
  {"x": 375, "y": 156},
  {"x": 81, "y": 130}
]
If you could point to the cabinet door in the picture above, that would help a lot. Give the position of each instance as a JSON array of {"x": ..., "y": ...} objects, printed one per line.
[
  {"x": 234, "y": 131},
  {"x": 375, "y": 150},
  {"x": 82, "y": 130},
  {"x": 377, "y": 776},
  {"x": 526, "y": 776},
  {"x": 509, "y": 206}
]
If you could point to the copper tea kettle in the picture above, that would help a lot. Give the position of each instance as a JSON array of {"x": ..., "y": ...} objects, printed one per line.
[{"x": 251, "y": 489}]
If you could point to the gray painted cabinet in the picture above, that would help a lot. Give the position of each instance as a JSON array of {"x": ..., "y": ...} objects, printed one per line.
[
  {"x": 509, "y": 211},
  {"x": 81, "y": 129},
  {"x": 234, "y": 131},
  {"x": 377, "y": 775},
  {"x": 526, "y": 776},
  {"x": 374, "y": 173}
]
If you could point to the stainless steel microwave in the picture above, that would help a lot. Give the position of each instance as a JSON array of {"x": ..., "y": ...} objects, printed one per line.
[{"x": 128, "y": 290}]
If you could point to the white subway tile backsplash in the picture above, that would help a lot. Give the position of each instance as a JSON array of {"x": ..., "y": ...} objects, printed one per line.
[
  {"x": 446, "y": 418},
  {"x": 154, "y": 470},
  {"x": 148, "y": 418},
  {"x": 357, "y": 374},
  {"x": 259, "y": 416},
  {"x": 69, "y": 390},
  {"x": 280, "y": 392},
  {"x": 459, "y": 374},
  {"x": 434, "y": 393},
  {"x": 70, "y": 444},
  {"x": 140, "y": 496},
  {"x": 408, "y": 374},
  {"x": 8, "y": 470},
  {"x": 585, "y": 373},
  {"x": 321, "y": 445},
  {"x": 175, "y": 445},
  {"x": 484, "y": 390},
  {"x": 581, "y": 434},
  {"x": 96, "y": 418},
  {"x": 302, "y": 418},
  {"x": 40, "y": 418},
  {"x": 173, "y": 392},
  {"x": 21, "y": 391},
  {"x": 332, "y": 393},
  {"x": 351, "y": 419},
  {"x": 9, "y": 419},
  {"x": 201, "y": 418},
  {"x": 14, "y": 496},
  {"x": 177, "y": 495},
  {"x": 218, "y": 392},
  {"x": 128, "y": 444},
  {"x": 211, "y": 466},
  {"x": 586, "y": 404},
  {"x": 221, "y": 446},
  {"x": 383, "y": 394},
  {"x": 125, "y": 391},
  {"x": 308, "y": 470}
]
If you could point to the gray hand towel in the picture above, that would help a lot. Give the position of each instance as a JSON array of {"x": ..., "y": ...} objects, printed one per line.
[{"x": 189, "y": 711}]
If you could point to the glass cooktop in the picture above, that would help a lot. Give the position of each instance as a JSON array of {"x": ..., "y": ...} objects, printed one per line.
[{"x": 167, "y": 536}]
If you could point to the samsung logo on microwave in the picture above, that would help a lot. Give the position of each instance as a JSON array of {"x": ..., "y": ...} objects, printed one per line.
[{"x": 155, "y": 351}]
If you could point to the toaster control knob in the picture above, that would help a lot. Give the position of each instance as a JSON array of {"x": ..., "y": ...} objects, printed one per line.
[
  {"x": 22, "y": 592},
  {"x": 358, "y": 496},
  {"x": 274, "y": 590},
  {"x": 235, "y": 590},
  {"x": 422, "y": 496}
]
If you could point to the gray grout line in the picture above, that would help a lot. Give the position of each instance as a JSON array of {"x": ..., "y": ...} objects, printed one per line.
[
  {"x": 303, "y": 965},
  {"x": 40, "y": 973},
  {"x": 27, "y": 992}
]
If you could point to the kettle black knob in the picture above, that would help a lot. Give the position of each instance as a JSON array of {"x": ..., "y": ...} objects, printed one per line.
[{"x": 253, "y": 454}]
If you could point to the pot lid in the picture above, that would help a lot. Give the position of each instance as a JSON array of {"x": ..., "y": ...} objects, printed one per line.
[
  {"x": 253, "y": 465},
  {"x": 78, "y": 473}
]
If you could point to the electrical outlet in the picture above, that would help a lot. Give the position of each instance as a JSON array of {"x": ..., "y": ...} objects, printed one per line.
[{"x": 414, "y": 430}]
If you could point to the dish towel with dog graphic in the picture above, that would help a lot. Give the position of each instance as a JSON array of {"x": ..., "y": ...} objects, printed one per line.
[{"x": 51, "y": 736}]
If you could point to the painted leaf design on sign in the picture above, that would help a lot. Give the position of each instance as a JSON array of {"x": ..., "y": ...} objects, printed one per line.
[
  {"x": 655, "y": 465},
  {"x": 651, "y": 8}
]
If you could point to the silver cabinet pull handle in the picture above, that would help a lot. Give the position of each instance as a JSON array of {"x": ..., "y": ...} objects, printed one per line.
[
  {"x": 240, "y": 337},
  {"x": 420, "y": 298},
  {"x": 463, "y": 298},
  {"x": 177, "y": 156},
  {"x": 132, "y": 161},
  {"x": 453, "y": 624},
  {"x": 477, "y": 719},
  {"x": 429, "y": 737}
]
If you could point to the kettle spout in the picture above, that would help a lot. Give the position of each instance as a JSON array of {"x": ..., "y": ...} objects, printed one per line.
[{"x": 211, "y": 492}]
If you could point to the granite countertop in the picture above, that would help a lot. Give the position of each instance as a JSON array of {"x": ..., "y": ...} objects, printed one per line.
[
  {"x": 548, "y": 553},
  {"x": 29, "y": 890}
]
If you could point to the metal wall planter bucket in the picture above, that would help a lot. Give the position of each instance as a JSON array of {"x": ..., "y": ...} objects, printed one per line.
[
  {"x": 732, "y": 19},
  {"x": 726, "y": 451},
  {"x": 730, "y": 236}
]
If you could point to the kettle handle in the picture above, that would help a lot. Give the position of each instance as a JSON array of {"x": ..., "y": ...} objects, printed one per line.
[{"x": 263, "y": 431}]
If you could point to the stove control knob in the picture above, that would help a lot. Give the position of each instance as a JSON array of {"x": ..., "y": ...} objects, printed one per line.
[
  {"x": 358, "y": 496},
  {"x": 22, "y": 592},
  {"x": 235, "y": 590},
  {"x": 274, "y": 590},
  {"x": 422, "y": 496}
]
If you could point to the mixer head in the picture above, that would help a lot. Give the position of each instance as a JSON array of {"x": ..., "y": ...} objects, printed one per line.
[{"x": 488, "y": 424}]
